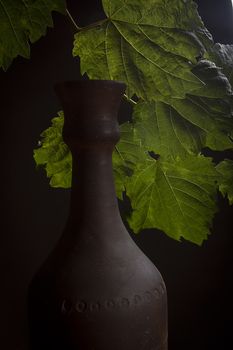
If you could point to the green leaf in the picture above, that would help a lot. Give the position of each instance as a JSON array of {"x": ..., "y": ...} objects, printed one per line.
[
  {"x": 222, "y": 55},
  {"x": 127, "y": 154},
  {"x": 177, "y": 197},
  {"x": 165, "y": 132},
  {"x": 185, "y": 104},
  {"x": 225, "y": 181},
  {"x": 54, "y": 155},
  {"x": 22, "y": 21},
  {"x": 90, "y": 46},
  {"x": 149, "y": 44},
  {"x": 190, "y": 124},
  {"x": 159, "y": 13},
  {"x": 212, "y": 126},
  {"x": 216, "y": 83},
  {"x": 210, "y": 111}
]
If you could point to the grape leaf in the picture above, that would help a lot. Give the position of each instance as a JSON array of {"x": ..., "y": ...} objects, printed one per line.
[
  {"x": 54, "y": 155},
  {"x": 151, "y": 45},
  {"x": 190, "y": 124},
  {"x": 217, "y": 137},
  {"x": 222, "y": 55},
  {"x": 161, "y": 13},
  {"x": 216, "y": 83},
  {"x": 21, "y": 21},
  {"x": 90, "y": 45},
  {"x": 164, "y": 131},
  {"x": 225, "y": 181},
  {"x": 127, "y": 154},
  {"x": 177, "y": 197},
  {"x": 210, "y": 108},
  {"x": 163, "y": 194},
  {"x": 184, "y": 106}
]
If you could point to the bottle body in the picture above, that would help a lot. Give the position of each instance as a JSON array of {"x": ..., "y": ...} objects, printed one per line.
[
  {"x": 97, "y": 290},
  {"x": 100, "y": 300}
]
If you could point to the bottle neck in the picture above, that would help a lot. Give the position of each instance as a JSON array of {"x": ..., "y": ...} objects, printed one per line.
[
  {"x": 93, "y": 198},
  {"x": 90, "y": 131}
]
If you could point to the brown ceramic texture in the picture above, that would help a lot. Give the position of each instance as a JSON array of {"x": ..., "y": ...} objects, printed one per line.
[{"x": 97, "y": 290}]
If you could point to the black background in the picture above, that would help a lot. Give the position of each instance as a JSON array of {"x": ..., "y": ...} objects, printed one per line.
[{"x": 198, "y": 279}]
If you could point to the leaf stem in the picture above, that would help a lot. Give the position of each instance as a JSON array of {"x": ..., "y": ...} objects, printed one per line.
[
  {"x": 129, "y": 100},
  {"x": 92, "y": 25},
  {"x": 73, "y": 21},
  {"x": 95, "y": 24}
]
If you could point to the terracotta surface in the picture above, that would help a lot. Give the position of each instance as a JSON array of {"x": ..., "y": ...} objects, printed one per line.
[{"x": 97, "y": 290}]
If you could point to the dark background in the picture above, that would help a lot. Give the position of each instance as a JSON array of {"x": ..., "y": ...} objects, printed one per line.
[{"x": 198, "y": 279}]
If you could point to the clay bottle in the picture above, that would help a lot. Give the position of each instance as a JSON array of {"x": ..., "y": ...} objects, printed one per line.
[{"x": 97, "y": 290}]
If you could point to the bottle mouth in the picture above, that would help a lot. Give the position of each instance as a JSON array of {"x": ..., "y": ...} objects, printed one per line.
[{"x": 96, "y": 97}]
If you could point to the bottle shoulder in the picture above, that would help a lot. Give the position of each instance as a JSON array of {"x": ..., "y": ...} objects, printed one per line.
[{"x": 90, "y": 266}]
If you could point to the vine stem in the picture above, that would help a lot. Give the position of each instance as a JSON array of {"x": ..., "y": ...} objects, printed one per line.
[
  {"x": 129, "y": 100},
  {"x": 73, "y": 21},
  {"x": 95, "y": 24}
]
